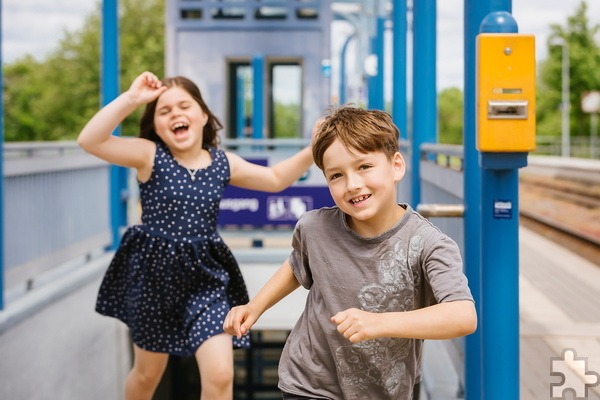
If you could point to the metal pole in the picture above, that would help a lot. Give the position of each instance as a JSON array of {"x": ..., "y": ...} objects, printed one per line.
[
  {"x": 474, "y": 12},
  {"x": 499, "y": 322},
  {"x": 110, "y": 91},
  {"x": 424, "y": 88},
  {"x": 566, "y": 101},
  {"x": 343, "y": 68},
  {"x": 399, "y": 67},
  {"x": 258, "y": 84}
]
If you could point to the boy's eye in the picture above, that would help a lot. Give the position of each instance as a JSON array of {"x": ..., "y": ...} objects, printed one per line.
[
  {"x": 334, "y": 176},
  {"x": 365, "y": 166}
]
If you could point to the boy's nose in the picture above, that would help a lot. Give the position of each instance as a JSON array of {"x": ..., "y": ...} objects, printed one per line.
[{"x": 354, "y": 182}]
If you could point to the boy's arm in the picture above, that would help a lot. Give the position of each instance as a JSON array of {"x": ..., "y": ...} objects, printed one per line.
[
  {"x": 440, "y": 321},
  {"x": 240, "y": 319}
]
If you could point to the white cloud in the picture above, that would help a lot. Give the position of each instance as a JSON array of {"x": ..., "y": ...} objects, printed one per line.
[{"x": 35, "y": 26}]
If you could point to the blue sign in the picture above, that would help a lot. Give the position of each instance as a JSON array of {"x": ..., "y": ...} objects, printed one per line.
[
  {"x": 503, "y": 209},
  {"x": 242, "y": 207}
]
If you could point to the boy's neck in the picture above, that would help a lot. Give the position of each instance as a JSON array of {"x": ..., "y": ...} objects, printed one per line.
[{"x": 377, "y": 225}]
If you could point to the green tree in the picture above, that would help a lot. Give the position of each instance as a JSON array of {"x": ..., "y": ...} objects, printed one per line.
[
  {"x": 584, "y": 74},
  {"x": 54, "y": 98},
  {"x": 450, "y": 116}
]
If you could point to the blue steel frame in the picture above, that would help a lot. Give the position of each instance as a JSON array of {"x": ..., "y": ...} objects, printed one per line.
[
  {"x": 400, "y": 27},
  {"x": 424, "y": 88},
  {"x": 500, "y": 256},
  {"x": 375, "y": 92},
  {"x": 258, "y": 81},
  {"x": 110, "y": 91}
]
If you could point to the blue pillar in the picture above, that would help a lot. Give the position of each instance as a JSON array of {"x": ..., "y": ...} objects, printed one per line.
[
  {"x": 1, "y": 174},
  {"x": 258, "y": 85},
  {"x": 240, "y": 106},
  {"x": 110, "y": 91},
  {"x": 500, "y": 255},
  {"x": 474, "y": 12},
  {"x": 424, "y": 87},
  {"x": 376, "y": 83},
  {"x": 343, "y": 83},
  {"x": 399, "y": 67}
]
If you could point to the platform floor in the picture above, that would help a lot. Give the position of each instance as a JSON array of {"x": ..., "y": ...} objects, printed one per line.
[{"x": 559, "y": 310}]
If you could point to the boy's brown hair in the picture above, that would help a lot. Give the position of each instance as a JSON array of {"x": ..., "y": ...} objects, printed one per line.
[{"x": 357, "y": 129}]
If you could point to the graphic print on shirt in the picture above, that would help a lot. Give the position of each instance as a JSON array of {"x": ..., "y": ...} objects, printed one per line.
[{"x": 380, "y": 361}]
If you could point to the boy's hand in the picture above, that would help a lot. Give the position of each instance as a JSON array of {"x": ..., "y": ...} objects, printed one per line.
[
  {"x": 356, "y": 325},
  {"x": 239, "y": 320}
]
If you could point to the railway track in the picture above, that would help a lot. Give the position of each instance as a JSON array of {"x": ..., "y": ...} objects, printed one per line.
[{"x": 564, "y": 210}]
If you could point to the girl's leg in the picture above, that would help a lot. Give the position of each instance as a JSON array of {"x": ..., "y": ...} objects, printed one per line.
[
  {"x": 144, "y": 377},
  {"x": 215, "y": 362}
]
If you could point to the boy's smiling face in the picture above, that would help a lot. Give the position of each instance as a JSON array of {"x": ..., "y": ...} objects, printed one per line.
[{"x": 363, "y": 185}]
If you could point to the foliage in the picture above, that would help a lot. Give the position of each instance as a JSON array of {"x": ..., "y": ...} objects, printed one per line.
[
  {"x": 287, "y": 121},
  {"x": 584, "y": 74},
  {"x": 53, "y": 99},
  {"x": 450, "y": 116}
]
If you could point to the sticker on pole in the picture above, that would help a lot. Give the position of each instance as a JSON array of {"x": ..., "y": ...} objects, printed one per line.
[{"x": 503, "y": 209}]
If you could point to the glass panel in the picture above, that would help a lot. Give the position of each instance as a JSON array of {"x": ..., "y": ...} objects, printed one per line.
[
  {"x": 286, "y": 100},
  {"x": 240, "y": 100}
]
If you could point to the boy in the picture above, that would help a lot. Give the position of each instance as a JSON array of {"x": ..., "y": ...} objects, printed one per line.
[{"x": 381, "y": 278}]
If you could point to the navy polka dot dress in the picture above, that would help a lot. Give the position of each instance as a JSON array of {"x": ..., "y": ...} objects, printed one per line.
[{"x": 173, "y": 279}]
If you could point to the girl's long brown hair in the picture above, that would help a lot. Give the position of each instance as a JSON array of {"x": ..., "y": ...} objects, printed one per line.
[{"x": 209, "y": 136}]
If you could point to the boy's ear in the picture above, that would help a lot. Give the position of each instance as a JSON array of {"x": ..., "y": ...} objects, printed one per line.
[{"x": 399, "y": 166}]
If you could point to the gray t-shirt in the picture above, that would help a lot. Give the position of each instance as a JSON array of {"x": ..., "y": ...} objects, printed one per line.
[{"x": 411, "y": 266}]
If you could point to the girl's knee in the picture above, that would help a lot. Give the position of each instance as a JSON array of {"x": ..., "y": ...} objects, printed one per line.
[
  {"x": 146, "y": 377},
  {"x": 219, "y": 375}
]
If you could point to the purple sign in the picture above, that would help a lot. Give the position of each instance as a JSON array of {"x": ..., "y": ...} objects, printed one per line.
[{"x": 251, "y": 208}]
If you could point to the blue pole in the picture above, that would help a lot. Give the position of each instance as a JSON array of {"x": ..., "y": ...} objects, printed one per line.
[
  {"x": 110, "y": 90},
  {"x": 424, "y": 87},
  {"x": 474, "y": 11},
  {"x": 240, "y": 106},
  {"x": 258, "y": 83},
  {"x": 1, "y": 174},
  {"x": 375, "y": 83},
  {"x": 343, "y": 96},
  {"x": 399, "y": 67},
  {"x": 500, "y": 255}
]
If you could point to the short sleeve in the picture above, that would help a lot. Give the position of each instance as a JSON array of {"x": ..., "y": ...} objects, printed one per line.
[
  {"x": 299, "y": 259},
  {"x": 443, "y": 269}
]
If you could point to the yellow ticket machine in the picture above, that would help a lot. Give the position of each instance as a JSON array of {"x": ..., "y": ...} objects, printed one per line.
[{"x": 505, "y": 92}]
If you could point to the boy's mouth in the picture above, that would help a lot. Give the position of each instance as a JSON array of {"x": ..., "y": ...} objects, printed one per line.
[{"x": 359, "y": 199}]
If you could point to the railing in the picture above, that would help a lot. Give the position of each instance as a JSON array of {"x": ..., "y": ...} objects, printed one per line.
[
  {"x": 56, "y": 210},
  {"x": 581, "y": 146}
]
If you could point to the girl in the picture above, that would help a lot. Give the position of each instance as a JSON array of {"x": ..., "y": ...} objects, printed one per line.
[{"x": 173, "y": 279}]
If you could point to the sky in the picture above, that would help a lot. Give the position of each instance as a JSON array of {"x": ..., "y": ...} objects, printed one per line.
[{"x": 36, "y": 26}]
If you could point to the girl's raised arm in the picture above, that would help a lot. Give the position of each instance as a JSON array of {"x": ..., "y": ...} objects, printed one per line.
[
  {"x": 96, "y": 137},
  {"x": 271, "y": 179}
]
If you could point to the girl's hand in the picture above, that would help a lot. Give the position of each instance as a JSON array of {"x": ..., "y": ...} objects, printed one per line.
[
  {"x": 239, "y": 320},
  {"x": 356, "y": 325},
  {"x": 145, "y": 88}
]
